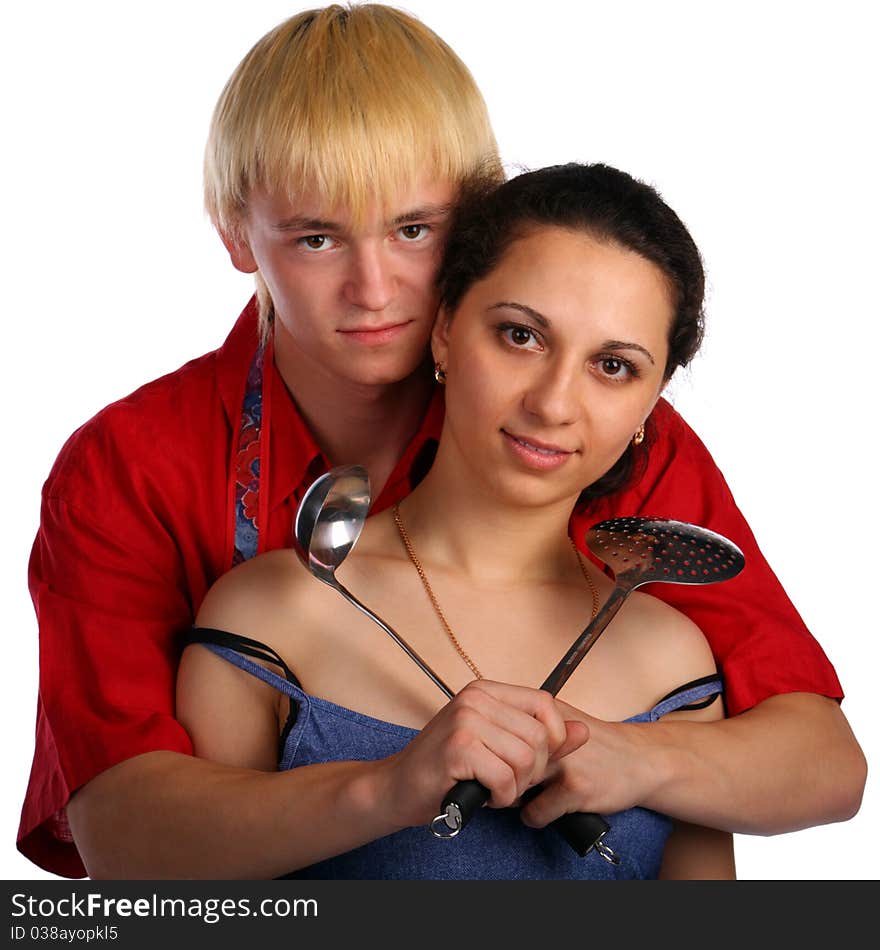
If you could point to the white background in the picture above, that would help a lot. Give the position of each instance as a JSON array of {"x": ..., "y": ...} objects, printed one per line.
[{"x": 755, "y": 120}]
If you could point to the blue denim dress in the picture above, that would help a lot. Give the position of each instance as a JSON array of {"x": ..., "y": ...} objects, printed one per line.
[{"x": 495, "y": 845}]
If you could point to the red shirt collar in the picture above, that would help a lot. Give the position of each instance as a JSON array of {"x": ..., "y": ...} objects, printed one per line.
[{"x": 233, "y": 361}]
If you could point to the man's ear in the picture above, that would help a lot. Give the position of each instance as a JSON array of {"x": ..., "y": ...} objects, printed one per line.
[
  {"x": 239, "y": 252},
  {"x": 440, "y": 337}
]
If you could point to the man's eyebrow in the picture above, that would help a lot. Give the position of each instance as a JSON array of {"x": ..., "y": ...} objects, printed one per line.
[
  {"x": 303, "y": 223},
  {"x": 321, "y": 225},
  {"x": 425, "y": 212},
  {"x": 539, "y": 318}
]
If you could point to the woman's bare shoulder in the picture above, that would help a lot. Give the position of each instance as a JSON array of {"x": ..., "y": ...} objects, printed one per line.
[
  {"x": 666, "y": 647},
  {"x": 259, "y": 597}
]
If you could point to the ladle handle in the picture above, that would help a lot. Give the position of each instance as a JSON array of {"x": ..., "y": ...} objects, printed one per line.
[
  {"x": 582, "y": 830},
  {"x": 407, "y": 649}
]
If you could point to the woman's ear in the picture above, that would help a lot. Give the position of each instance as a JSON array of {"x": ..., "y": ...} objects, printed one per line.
[
  {"x": 239, "y": 251},
  {"x": 440, "y": 337}
]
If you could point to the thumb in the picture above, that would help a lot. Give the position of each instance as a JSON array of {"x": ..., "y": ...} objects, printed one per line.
[{"x": 576, "y": 734}]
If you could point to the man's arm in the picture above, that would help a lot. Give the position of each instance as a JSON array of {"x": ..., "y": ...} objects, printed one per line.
[
  {"x": 163, "y": 814},
  {"x": 786, "y": 758},
  {"x": 167, "y": 815},
  {"x": 789, "y": 763}
]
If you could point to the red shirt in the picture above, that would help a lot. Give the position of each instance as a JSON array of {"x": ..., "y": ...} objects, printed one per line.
[{"x": 136, "y": 526}]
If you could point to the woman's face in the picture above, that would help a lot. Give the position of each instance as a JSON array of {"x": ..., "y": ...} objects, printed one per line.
[{"x": 553, "y": 362}]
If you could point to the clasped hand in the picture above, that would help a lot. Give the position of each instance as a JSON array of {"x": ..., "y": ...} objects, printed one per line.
[{"x": 511, "y": 738}]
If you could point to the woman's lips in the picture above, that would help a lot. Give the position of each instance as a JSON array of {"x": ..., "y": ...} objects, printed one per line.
[
  {"x": 375, "y": 336},
  {"x": 536, "y": 454}
]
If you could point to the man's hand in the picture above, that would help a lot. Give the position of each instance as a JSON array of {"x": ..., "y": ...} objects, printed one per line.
[{"x": 789, "y": 763}]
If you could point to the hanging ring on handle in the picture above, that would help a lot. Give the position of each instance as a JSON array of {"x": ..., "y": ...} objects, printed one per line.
[
  {"x": 449, "y": 824},
  {"x": 606, "y": 852}
]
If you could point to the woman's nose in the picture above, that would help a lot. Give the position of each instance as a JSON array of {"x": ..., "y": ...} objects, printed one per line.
[
  {"x": 553, "y": 396},
  {"x": 370, "y": 284}
]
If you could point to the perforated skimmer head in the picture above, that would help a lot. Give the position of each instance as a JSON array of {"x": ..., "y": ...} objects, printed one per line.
[{"x": 647, "y": 550}]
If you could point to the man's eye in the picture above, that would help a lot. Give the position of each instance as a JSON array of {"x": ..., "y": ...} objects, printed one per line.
[
  {"x": 316, "y": 242},
  {"x": 414, "y": 232}
]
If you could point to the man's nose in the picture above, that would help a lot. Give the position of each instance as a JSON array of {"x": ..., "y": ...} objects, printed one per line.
[
  {"x": 370, "y": 284},
  {"x": 553, "y": 395}
]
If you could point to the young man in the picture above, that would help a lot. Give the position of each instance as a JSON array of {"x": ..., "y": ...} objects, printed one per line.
[{"x": 335, "y": 155}]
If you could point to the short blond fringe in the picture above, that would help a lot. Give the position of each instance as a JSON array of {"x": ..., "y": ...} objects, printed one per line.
[{"x": 356, "y": 101}]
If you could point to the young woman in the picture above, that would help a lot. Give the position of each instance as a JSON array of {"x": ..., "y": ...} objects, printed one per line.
[{"x": 569, "y": 296}]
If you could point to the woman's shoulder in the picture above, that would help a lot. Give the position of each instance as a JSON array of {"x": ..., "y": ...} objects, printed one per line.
[
  {"x": 665, "y": 648},
  {"x": 259, "y": 597}
]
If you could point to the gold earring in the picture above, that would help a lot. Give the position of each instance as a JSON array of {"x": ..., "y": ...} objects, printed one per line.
[
  {"x": 440, "y": 374},
  {"x": 639, "y": 437}
]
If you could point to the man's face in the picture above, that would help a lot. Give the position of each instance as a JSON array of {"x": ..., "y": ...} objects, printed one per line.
[{"x": 355, "y": 304}]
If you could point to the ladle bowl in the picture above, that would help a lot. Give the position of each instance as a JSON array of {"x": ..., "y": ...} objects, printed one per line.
[{"x": 328, "y": 523}]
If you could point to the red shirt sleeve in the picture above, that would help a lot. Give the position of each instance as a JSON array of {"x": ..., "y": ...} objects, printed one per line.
[
  {"x": 102, "y": 605},
  {"x": 756, "y": 634},
  {"x": 132, "y": 533}
]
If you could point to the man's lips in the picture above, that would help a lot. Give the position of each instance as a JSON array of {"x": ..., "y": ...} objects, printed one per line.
[
  {"x": 375, "y": 335},
  {"x": 535, "y": 453}
]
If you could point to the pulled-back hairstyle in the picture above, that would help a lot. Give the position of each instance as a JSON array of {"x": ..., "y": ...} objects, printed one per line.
[
  {"x": 597, "y": 200},
  {"x": 357, "y": 101}
]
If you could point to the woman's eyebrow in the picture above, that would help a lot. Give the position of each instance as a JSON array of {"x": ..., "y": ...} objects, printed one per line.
[
  {"x": 539, "y": 318},
  {"x": 614, "y": 345}
]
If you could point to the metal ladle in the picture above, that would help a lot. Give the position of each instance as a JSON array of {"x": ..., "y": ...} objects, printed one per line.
[
  {"x": 639, "y": 551},
  {"x": 329, "y": 520}
]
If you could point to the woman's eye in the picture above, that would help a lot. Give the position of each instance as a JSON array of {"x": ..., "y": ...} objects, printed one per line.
[
  {"x": 413, "y": 232},
  {"x": 520, "y": 337},
  {"x": 615, "y": 368},
  {"x": 316, "y": 242}
]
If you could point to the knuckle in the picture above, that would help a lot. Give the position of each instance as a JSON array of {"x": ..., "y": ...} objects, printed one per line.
[
  {"x": 521, "y": 759},
  {"x": 464, "y": 719},
  {"x": 458, "y": 744}
]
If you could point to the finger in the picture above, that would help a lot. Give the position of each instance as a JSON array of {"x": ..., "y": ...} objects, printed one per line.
[
  {"x": 552, "y": 801},
  {"x": 518, "y": 708},
  {"x": 494, "y": 755},
  {"x": 577, "y": 733}
]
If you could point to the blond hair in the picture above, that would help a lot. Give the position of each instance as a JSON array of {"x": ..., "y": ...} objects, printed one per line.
[{"x": 357, "y": 101}]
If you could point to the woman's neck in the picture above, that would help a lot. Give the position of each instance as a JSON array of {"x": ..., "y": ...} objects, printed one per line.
[{"x": 457, "y": 523}]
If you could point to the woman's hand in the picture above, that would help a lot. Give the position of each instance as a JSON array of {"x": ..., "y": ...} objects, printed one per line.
[{"x": 503, "y": 736}]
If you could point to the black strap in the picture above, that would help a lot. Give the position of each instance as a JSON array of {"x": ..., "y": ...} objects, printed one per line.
[
  {"x": 252, "y": 648},
  {"x": 703, "y": 703},
  {"x": 245, "y": 645}
]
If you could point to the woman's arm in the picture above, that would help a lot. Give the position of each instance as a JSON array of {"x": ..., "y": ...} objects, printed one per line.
[{"x": 695, "y": 853}]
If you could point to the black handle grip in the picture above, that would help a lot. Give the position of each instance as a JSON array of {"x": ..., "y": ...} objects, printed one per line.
[
  {"x": 583, "y": 830},
  {"x": 458, "y": 807}
]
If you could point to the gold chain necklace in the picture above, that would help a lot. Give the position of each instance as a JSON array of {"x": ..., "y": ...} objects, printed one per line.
[{"x": 436, "y": 604}]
